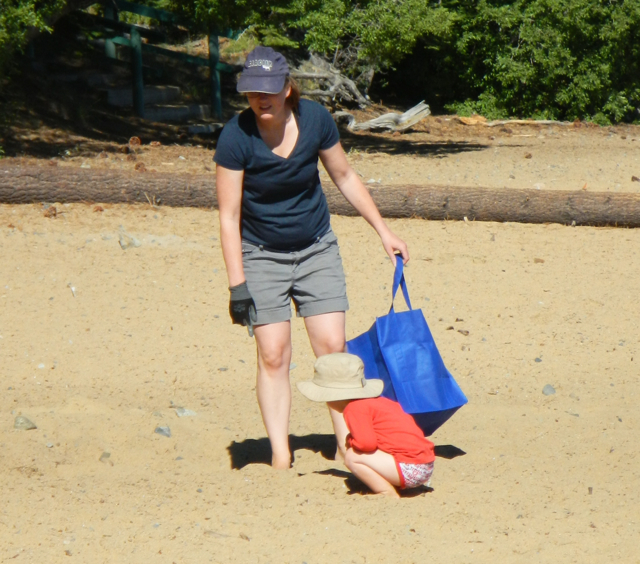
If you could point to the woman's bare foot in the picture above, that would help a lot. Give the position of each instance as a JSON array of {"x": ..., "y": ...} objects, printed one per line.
[{"x": 281, "y": 462}]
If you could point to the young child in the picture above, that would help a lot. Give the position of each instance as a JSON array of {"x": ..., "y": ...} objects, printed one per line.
[{"x": 385, "y": 447}]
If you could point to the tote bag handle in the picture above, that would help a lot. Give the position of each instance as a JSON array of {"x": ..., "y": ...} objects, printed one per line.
[{"x": 398, "y": 280}]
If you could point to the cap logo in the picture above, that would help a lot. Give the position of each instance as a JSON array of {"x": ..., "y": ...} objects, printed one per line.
[{"x": 266, "y": 64}]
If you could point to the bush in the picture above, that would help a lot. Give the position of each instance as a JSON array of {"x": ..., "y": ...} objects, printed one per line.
[
  {"x": 556, "y": 59},
  {"x": 19, "y": 20},
  {"x": 357, "y": 36},
  {"x": 369, "y": 35}
]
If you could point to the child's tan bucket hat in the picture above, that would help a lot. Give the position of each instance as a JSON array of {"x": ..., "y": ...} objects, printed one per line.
[{"x": 339, "y": 376}]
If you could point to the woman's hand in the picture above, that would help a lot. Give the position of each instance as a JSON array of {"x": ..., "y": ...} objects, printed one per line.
[
  {"x": 242, "y": 308},
  {"x": 393, "y": 245}
]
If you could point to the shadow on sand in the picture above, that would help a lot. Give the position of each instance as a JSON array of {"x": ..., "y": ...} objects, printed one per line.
[
  {"x": 258, "y": 451},
  {"x": 365, "y": 142}
]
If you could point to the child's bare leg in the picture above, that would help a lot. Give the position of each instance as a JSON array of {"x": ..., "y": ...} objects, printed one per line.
[
  {"x": 341, "y": 430},
  {"x": 377, "y": 470}
]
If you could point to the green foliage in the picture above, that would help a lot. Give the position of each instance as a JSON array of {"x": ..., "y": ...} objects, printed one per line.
[
  {"x": 212, "y": 13},
  {"x": 555, "y": 59},
  {"x": 371, "y": 34},
  {"x": 558, "y": 59},
  {"x": 137, "y": 19},
  {"x": 355, "y": 35},
  {"x": 244, "y": 43},
  {"x": 487, "y": 105},
  {"x": 17, "y": 19}
]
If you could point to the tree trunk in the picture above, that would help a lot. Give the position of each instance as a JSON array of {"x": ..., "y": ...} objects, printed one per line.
[{"x": 22, "y": 185}]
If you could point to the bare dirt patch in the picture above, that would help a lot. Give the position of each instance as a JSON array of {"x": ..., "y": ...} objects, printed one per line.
[
  {"x": 440, "y": 150},
  {"x": 100, "y": 345}
]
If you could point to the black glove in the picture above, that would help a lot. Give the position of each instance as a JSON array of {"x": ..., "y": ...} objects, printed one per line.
[{"x": 242, "y": 308}]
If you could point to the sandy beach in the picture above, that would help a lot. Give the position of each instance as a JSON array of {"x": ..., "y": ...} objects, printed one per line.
[
  {"x": 149, "y": 445},
  {"x": 101, "y": 346}
]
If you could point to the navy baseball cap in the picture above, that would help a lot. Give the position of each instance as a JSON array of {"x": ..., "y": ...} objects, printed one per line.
[{"x": 264, "y": 70}]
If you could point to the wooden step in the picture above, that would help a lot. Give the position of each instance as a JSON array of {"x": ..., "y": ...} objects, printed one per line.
[
  {"x": 100, "y": 80},
  {"x": 205, "y": 128},
  {"x": 122, "y": 97},
  {"x": 177, "y": 113},
  {"x": 90, "y": 78}
]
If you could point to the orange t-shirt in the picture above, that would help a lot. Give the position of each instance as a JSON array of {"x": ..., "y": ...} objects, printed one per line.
[{"x": 380, "y": 423}]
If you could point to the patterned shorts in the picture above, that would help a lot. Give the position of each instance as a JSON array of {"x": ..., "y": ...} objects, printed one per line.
[{"x": 416, "y": 474}]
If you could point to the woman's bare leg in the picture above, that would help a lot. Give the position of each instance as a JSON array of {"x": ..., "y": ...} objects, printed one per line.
[
  {"x": 377, "y": 470},
  {"x": 327, "y": 335},
  {"x": 273, "y": 342}
]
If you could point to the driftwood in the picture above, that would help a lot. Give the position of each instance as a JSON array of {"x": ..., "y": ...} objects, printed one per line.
[
  {"x": 528, "y": 122},
  {"x": 391, "y": 121},
  {"x": 337, "y": 85},
  {"x": 480, "y": 120},
  {"x": 22, "y": 185}
]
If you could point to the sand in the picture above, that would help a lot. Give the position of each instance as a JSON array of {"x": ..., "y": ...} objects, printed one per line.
[{"x": 101, "y": 345}]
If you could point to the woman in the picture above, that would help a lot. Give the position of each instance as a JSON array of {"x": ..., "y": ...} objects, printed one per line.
[{"x": 276, "y": 235}]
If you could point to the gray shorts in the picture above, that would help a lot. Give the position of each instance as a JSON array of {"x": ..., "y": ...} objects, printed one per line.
[{"x": 313, "y": 278}]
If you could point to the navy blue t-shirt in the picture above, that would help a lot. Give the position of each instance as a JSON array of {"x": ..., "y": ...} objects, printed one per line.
[{"x": 283, "y": 206}]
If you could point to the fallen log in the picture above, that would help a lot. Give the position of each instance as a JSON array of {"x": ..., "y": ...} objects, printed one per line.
[
  {"x": 23, "y": 185},
  {"x": 509, "y": 205}
]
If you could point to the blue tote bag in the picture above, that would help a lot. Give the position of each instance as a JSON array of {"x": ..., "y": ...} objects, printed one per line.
[{"x": 400, "y": 351}]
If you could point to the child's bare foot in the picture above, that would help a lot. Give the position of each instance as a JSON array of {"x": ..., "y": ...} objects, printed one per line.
[{"x": 388, "y": 493}]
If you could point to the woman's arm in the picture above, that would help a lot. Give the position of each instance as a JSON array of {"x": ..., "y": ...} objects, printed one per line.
[
  {"x": 229, "y": 189},
  {"x": 352, "y": 188}
]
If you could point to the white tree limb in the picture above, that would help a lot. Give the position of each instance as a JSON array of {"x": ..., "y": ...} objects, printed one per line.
[{"x": 391, "y": 121}]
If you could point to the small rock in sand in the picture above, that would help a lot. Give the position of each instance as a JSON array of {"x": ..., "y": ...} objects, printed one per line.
[
  {"x": 548, "y": 390},
  {"x": 24, "y": 424}
]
